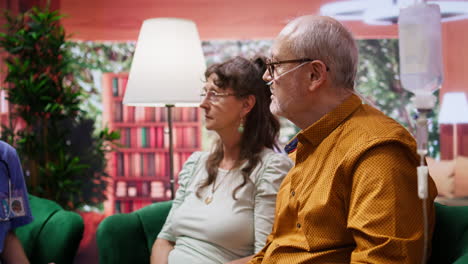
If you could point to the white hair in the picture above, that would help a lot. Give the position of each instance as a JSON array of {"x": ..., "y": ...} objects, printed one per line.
[{"x": 325, "y": 39}]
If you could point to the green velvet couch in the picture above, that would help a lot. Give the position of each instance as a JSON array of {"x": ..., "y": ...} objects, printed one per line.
[
  {"x": 450, "y": 240},
  {"x": 128, "y": 238},
  {"x": 53, "y": 236}
]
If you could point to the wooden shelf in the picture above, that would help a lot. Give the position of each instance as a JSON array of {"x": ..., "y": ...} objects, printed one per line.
[
  {"x": 139, "y": 198},
  {"x": 175, "y": 124},
  {"x": 141, "y": 179},
  {"x": 155, "y": 150}
]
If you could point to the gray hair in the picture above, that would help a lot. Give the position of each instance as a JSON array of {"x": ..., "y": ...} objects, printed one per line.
[{"x": 325, "y": 39}]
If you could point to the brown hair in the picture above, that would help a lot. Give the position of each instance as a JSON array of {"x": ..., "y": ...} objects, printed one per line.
[{"x": 261, "y": 127}]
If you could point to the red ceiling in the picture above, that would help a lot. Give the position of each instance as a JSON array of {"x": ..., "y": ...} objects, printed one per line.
[{"x": 120, "y": 20}]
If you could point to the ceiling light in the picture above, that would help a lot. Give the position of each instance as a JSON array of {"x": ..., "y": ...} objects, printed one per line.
[{"x": 385, "y": 12}]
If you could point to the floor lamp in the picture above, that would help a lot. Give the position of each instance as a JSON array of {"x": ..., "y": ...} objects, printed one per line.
[
  {"x": 167, "y": 70},
  {"x": 454, "y": 110}
]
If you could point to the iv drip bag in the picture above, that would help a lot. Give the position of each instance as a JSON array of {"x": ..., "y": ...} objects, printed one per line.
[{"x": 420, "y": 42}]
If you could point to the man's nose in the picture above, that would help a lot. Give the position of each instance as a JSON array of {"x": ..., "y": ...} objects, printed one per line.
[{"x": 266, "y": 76}]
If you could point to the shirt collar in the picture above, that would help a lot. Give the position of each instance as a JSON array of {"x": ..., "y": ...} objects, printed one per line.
[{"x": 319, "y": 130}]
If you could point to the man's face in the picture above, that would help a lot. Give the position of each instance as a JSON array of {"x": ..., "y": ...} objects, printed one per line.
[{"x": 286, "y": 90}]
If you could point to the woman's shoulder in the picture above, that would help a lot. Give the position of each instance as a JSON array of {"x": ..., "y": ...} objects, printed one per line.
[
  {"x": 272, "y": 165},
  {"x": 268, "y": 156},
  {"x": 196, "y": 158},
  {"x": 198, "y": 155},
  {"x": 192, "y": 165}
]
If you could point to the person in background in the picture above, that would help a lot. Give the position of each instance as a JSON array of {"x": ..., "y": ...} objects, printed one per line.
[
  {"x": 14, "y": 211},
  {"x": 224, "y": 207},
  {"x": 351, "y": 196}
]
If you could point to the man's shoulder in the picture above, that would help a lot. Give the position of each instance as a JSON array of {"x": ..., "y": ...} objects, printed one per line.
[
  {"x": 368, "y": 128},
  {"x": 6, "y": 149},
  {"x": 373, "y": 125}
]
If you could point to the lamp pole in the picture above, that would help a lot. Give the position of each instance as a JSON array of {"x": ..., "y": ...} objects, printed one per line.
[
  {"x": 455, "y": 140},
  {"x": 171, "y": 150}
]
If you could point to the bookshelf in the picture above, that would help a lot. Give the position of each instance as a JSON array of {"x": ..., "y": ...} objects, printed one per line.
[{"x": 139, "y": 168}]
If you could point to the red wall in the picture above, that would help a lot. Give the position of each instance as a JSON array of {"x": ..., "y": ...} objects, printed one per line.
[{"x": 120, "y": 20}]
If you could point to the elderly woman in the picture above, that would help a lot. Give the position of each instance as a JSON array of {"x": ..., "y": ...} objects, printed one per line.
[{"x": 224, "y": 208}]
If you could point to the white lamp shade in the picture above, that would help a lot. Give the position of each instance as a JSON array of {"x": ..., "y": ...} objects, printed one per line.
[
  {"x": 454, "y": 109},
  {"x": 168, "y": 65}
]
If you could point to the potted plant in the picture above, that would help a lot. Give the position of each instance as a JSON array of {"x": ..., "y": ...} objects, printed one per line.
[{"x": 62, "y": 155}]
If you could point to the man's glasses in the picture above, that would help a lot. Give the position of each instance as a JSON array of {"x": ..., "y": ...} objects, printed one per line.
[
  {"x": 271, "y": 67},
  {"x": 213, "y": 96}
]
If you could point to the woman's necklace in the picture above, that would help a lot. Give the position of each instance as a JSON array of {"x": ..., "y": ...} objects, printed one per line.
[{"x": 209, "y": 198}]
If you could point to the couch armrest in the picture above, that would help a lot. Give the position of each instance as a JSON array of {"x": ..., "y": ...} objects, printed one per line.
[
  {"x": 153, "y": 218},
  {"x": 120, "y": 239},
  {"x": 59, "y": 238},
  {"x": 53, "y": 235},
  {"x": 128, "y": 238}
]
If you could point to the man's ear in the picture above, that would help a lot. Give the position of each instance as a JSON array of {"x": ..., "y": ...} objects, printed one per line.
[
  {"x": 318, "y": 74},
  {"x": 247, "y": 104}
]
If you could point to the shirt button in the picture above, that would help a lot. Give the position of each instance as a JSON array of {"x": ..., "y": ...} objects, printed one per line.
[
  {"x": 298, "y": 225},
  {"x": 293, "y": 193}
]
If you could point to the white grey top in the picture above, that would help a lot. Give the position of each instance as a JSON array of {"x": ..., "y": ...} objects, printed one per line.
[{"x": 225, "y": 229}]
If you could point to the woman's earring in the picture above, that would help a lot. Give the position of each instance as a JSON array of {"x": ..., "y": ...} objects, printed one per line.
[{"x": 241, "y": 126}]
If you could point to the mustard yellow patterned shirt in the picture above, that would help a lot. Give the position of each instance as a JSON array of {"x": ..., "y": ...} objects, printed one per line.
[{"x": 352, "y": 195}]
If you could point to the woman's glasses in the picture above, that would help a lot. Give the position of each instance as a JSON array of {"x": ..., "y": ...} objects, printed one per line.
[{"x": 213, "y": 96}]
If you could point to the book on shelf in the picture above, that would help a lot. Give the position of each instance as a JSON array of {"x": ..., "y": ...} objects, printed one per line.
[
  {"x": 144, "y": 137},
  {"x": 120, "y": 164},
  {"x": 134, "y": 137},
  {"x": 132, "y": 189},
  {"x": 128, "y": 113},
  {"x": 136, "y": 172},
  {"x": 118, "y": 207},
  {"x": 160, "y": 137},
  {"x": 157, "y": 189},
  {"x": 145, "y": 188},
  {"x": 151, "y": 165},
  {"x": 127, "y": 165},
  {"x": 117, "y": 111},
  {"x": 139, "y": 114},
  {"x": 121, "y": 189},
  {"x": 152, "y": 137},
  {"x": 122, "y": 85},
  {"x": 162, "y": 114},
  {"x": 150, "y": 115},
  {"x": 127, "y": 137},
  {"x": 126, "y": 206},
  {"x": 115, "y": 87}
]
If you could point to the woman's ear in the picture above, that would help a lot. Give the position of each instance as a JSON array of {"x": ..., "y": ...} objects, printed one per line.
[
  {"x": 318, "y": 74},
  {"x": 247, "y": 104}
]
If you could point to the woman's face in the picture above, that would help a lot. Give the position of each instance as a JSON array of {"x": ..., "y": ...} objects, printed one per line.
[{"x": 223, "y": 110}]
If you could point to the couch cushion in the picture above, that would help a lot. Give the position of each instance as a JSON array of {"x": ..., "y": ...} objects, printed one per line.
[
  {"x": 461, "y": 177},
  {"x": 442, "y": 172}
]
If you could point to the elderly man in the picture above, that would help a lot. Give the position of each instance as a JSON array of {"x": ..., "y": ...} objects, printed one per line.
[{"x": 352, "y": 195}]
